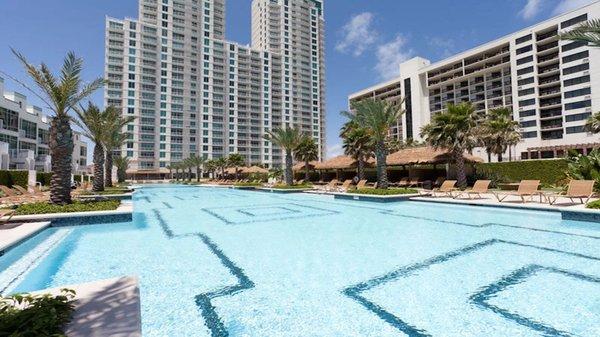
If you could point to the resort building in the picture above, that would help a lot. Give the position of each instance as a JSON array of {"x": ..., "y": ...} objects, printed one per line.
[
  {"x": 24, "y": 136},
  {"x": 195, "y": 93},
  {"x": 551, "y": 85}
]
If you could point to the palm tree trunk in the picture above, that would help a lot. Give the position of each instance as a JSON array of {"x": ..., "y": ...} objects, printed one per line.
[
  {"x": 61, "y": 150},
  {"x": 190, "y": 174},
  {"x": 98, "y": 184},
  {"x": 306, "y": 171},
  {"x": 289, "y": 175},
  {"x": 108, "y": 169},
  {"x": 380, "y": 154},
  {"x": 361, "y": 168},
  {"x": 198, "y": 174},
  {"x": 236, "y": 173},
  {"x": 461, "y": 176},
  {"x": 489, "y": 156},
  {"x": 499, "y": 157}
]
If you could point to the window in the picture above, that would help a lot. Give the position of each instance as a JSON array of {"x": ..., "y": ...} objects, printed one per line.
[
  {"x": 525, "y": 71},
  {"x": 523, "y": 39},
  {"x": 529, "y": 134},
  {"x": 525, "y": 81},
  {"x": 578, "y": 117},
  {"x": 527, "y": 102},
  {"x": 525, "y": 92},
  {"x": 576, "y": 69},
  {"x": 527, "y": 113},
  {"x": 578, "y": 105},
  {"x": 524, "y": 49},
  {"x": 576, "y": 57},
  {"x": 528, "y": 124},
  {"x": 525, "y": 60},
  {"x": 573, "y": 21},
  {"x": 576, "y": 129},
  {"x": 577, "y": 93},
  {"x": 577, "y": 80},
  {"x": 573, "y": 45}
]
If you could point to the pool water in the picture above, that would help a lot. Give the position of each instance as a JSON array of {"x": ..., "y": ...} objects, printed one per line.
[{"x": 223, "y": 262}]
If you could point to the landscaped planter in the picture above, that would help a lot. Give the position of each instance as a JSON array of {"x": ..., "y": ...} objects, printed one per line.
[{"x": 375, "y": 198}]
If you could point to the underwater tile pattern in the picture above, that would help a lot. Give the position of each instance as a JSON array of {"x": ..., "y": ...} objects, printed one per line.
[{"x": 243, "y": 263}]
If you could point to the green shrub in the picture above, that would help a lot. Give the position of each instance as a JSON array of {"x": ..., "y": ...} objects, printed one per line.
[
  {"x": 13, "y": 177},
  {"x": 247, "y": 184},
  {"x": 76, "y": 206},
  {"x": 40, "y": 315},
  {"x": 583, "y": 167},
  {"x": 593, "y": 204},
  {"x": 44, "y": 178},
  {"x": 549, "y": 172},
  {"x": 389, "y": 191}
]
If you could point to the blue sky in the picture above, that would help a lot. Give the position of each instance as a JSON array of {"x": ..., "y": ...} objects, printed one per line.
[{"x": 365, "y": 39}]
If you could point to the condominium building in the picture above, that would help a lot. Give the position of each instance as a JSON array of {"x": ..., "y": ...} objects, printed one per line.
[
  {"x": 551, "y": 85},
  {"x": 24, "y": 136},
  {"x": 195, "y": 93}
]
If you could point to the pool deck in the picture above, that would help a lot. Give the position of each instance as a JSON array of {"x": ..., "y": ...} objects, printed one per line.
[
  {"x": 14, "y": 233},
  {"x": 105, "y": 308},
  {"x": 123, "y": 209}
]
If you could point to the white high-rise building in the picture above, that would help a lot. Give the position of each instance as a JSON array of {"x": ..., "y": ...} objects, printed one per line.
[
  {"x": 551, "y": 85},
  {"x": 194, "y": 93}
]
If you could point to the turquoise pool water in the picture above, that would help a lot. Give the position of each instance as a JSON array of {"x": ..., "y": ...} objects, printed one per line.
[{"x": 220, "y": 262}]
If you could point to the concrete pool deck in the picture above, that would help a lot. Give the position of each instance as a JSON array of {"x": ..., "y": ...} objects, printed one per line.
[
  {"x": 14, "y": 233},
  {"x": 104, "y": 308}
]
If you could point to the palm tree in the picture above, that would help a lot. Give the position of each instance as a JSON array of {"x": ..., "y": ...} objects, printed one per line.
[
  {"x": 122, "y": 164},
  {"x": 221, "y": 164},
  {"x": 306, "y": 152},
  {"x": 115, "y": 138},
  {"x": 197, "y": 162},
  {"x": 592, "y": 124},
  {"x": 357, "y": 144},
  {"x": 499, "y": 131},
  {"x": 454, "y": 130},
  {"x": 93, "y": 122},
  {"x": 236, "y": 160},
  {"x": 588, "y": 32},
  {"x": 377, "y": 116},
  {"x": 210, "y": 166},
  {"x": 288, "y": 139},
  {"x": 170, "y": 168},
  {"x": 188, "y": 165},
  {"x": 61, "y": 94}
]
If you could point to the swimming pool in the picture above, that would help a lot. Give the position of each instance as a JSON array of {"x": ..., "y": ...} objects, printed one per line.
[{"x": 222, "y": 262}]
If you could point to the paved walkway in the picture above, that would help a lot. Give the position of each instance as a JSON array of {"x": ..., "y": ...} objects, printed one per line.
[{"x": 13, "y": 233}]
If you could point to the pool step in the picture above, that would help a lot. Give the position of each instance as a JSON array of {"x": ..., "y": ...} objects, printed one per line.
[{"x": 13, "y": 275}]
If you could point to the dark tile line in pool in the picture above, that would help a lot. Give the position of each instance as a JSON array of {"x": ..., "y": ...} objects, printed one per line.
[
  {"x": 390, "y": 212},
  {"x": 204, "y": 300},
  {"x": 180, "y": 198},
  {"x": 481, "y": 298},
  {"x": 167, "y": 204},
  {"x": 354, "y": 292},
  {"x": 326, "y": 212}
]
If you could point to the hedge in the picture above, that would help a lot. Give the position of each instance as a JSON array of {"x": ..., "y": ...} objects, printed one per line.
[
  {"x": 43, "y": 178},
  {"x": 549, "y": 172},
  {"x": 13, "y": 177}
]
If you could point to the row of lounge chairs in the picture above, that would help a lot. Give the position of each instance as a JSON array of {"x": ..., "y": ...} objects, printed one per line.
[{"x": 526, "y": 191}]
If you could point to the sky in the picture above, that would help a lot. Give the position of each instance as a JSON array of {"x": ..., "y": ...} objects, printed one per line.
[{"x": 365, "y": 39}]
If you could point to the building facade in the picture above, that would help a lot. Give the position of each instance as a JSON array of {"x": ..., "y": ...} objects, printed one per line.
[
  {"x": 195, "y": 93},
  {"x": 551, "y": 85},
  {"x": 24, "y": 136}
]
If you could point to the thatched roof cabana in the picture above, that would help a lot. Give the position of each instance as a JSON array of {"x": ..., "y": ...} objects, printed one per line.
[
  {"x": 300, "y": 165},
  {"x": 340, "y": 163},
  {"x": 254, "y": 169},
  {"x": 424, "y": 156}
]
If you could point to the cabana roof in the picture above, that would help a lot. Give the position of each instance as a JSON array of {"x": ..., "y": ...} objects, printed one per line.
[
  {"x": 299, "y": 166},
  {"x": 254, "y": 169},
  {"x": 425, "y": 155},
  {"x": 339, "y": 163}
]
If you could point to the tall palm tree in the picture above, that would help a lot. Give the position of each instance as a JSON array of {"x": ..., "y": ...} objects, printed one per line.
[
  {"x": 499, "y": 131},
  {"x": 188, "y": 165},
  {"x": 288, "y": 139},
  {"x": 210, "y": 166},
  {"x": 170, "y": 168},
  {"x": 93, "y": 122},
  {"x": 115, "y": 138},
  {"x": 236, "y": 160},
  {"x": 221, "y": 164},
  {"x": 122, "y": 164},
  {"x": 454, "y": 130},
  {"x": 592, "y": 124},
  {"x": 588, "y": 31},
  {"x": 61, "y": 94},
  {"x": 377, "y": 117},
  {"x": 306, "y": 152},
  {"x": 357, "y": 144},
  {"x": 197, "y": 162}
]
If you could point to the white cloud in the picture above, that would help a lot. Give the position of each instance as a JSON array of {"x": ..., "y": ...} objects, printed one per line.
[
  {"x": 358, "y": 35},
  {"x": 334, "y": 150},
  {"x": 568, "y": 5},
  {"x": 444, "y": 46},
  {"x": 531, "y": 9},
  {"x": 390, "y": 55}
]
